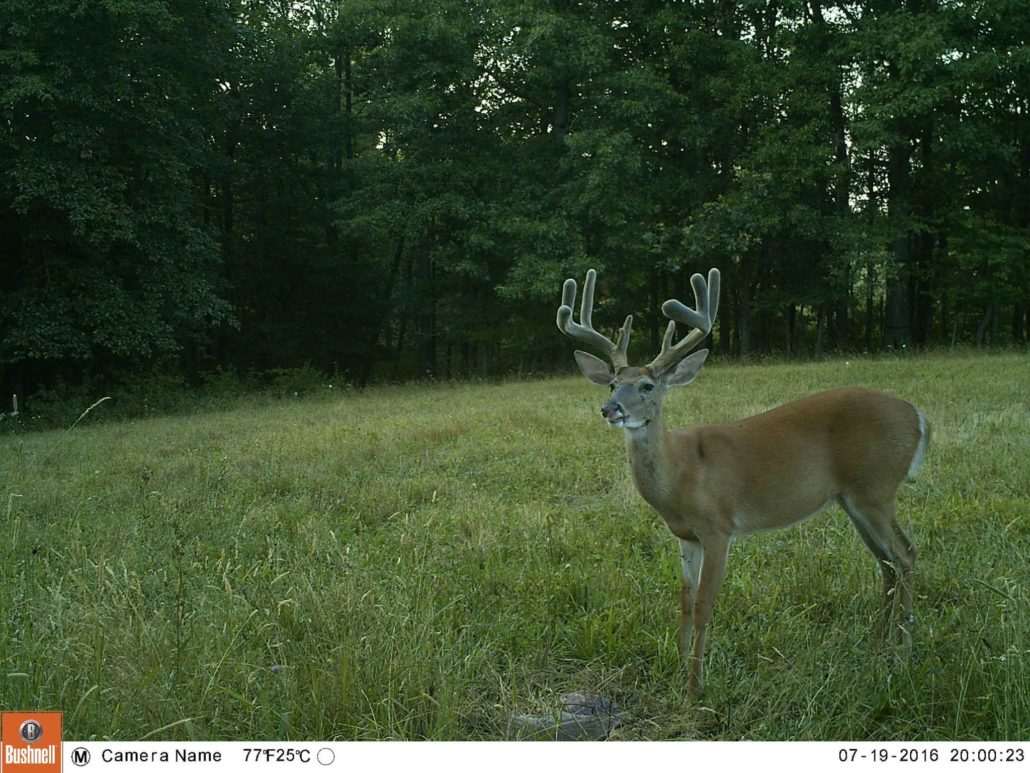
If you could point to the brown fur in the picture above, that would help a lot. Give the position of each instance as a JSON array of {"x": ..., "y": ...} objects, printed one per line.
[{"x": 714, "y": 482}]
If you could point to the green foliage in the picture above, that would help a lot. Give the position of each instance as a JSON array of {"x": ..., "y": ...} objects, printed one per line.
[
  {"x": 395, "y": 190},
  {"x": 105, "y": 256}
]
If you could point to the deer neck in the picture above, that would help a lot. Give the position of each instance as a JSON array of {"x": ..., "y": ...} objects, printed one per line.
[{"x": 649, "y": 461}]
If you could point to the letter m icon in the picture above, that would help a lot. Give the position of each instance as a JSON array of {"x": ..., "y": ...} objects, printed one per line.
[{"x": 80, "y": 756}]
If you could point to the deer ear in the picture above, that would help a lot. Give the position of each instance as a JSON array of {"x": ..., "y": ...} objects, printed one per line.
[
  {"x": 594, "y": 368},
  {"x": 688, "y": 368}
]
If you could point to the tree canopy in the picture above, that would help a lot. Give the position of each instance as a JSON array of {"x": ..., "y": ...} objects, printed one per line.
[{"x": 398, "y": 188}]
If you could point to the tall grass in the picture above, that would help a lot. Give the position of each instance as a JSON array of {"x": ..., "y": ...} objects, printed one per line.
[{"x": 423, "y": 562}]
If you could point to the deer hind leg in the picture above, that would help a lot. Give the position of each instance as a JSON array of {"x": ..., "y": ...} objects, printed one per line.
[{"x": 876, "y": 524}]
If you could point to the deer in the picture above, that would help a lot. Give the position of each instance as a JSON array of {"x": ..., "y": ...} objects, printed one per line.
[{"x": 713, "y": 483}]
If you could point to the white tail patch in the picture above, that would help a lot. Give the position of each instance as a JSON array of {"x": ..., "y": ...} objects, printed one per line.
[{"x": 920, "y": 454}]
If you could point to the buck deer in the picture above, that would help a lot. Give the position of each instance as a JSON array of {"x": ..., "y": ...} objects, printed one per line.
[{"x": 714, "y": 482}]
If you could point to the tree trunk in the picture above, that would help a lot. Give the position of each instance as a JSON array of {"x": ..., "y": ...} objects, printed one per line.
[
  {"x": 869, "y": 305},
  {"x": 426, "y": 318},
  {"x": 897, "y": 333},
  {"x": 386, "y": 296},
  {"x": 925, "y": 242},
  {"x": 561, "y": 107},
  {"x": 819, "y": 325},
  {"x": 981, "y": 329},
  {"x": 385, "y": 311},
  {"x": 897, "y": 329},
  {"x": 653, "y": 338},
  {"x": 348, "y": 126},
  {"x": 844, "y": 310},
  {"x": 744, "y": 319},
  {"x": 791, "y": 321},
  {"x": 222, "y": 340},
  {"x": 409, "y": 281}
]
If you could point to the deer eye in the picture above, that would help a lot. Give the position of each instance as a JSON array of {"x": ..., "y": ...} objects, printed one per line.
[{"x": 646, "y": 387}]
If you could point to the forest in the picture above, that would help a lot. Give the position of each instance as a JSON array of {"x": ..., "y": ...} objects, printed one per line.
[{"x": 396, "y": 189}]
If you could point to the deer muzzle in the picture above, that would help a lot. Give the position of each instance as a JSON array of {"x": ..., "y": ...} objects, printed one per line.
[{"x": 612, "y": 412}]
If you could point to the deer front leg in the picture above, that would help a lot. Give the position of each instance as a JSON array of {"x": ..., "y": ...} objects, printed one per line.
[
  {"x": 691, "y": 555},
  {"x": 713, "y": 571}
]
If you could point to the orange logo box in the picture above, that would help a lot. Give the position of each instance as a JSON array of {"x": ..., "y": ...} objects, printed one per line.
[{"x": 30, "y": 741}]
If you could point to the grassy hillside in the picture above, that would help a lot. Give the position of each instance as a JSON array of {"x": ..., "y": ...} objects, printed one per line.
[{"x": 421, "y": 562}]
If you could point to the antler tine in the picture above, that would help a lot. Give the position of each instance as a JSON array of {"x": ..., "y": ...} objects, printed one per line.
[
  {"x": 706, "y": 298},
  {"x": 584, "y": 331}
]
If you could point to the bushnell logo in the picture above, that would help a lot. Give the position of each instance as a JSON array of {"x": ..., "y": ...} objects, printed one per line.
[
  {"x": 30, "y": 742},
  {"x": 30, "y": 731}
]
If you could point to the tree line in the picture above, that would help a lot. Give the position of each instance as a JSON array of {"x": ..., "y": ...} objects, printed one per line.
[{"x": 397, "y": 188}]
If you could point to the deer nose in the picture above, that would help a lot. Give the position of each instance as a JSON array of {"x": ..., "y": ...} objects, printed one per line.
[{"x": 610, "y": 407}]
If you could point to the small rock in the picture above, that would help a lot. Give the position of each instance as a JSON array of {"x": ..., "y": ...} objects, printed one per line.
[{"x": 583, "y": 716}]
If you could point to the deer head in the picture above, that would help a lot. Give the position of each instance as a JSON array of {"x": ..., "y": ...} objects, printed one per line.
[{"x": 637, "y": 393}]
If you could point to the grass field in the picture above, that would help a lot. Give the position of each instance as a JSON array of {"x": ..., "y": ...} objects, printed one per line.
[{"x": 423, "y": 562}]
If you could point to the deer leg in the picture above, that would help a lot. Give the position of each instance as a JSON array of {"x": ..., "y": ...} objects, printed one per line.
[
  {"x": 691, "y": 555},
  {"x": 878, "y": 549},
  {"x": 713, "y": 572},
  {"x": 907, "y": 556},
  {"x": 895, "y": 555}
]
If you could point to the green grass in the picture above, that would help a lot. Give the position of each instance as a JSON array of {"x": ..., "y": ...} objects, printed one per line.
[{"x": 422, "y": 562}]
